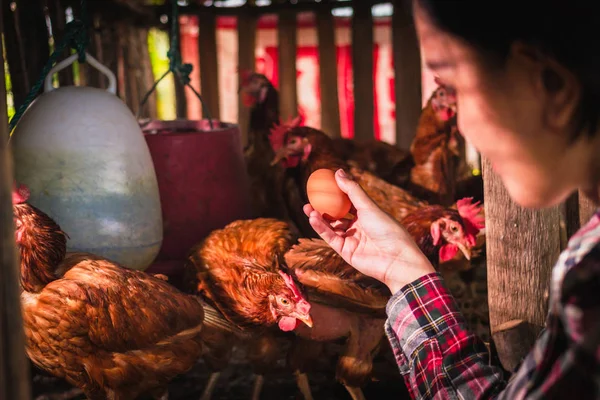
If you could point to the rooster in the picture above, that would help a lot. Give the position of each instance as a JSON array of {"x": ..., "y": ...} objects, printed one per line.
[
  {"x": 238, "y": 271},
  {"x": 112, "y": 332}
]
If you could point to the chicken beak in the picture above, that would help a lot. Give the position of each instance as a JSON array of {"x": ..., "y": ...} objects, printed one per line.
[
  {"x": 306, "y": 318},
  {"x": 465, "y": 250},
  {"x": 281, "y": 154}
]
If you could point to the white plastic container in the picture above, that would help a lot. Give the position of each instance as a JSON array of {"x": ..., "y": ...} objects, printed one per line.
[{"x": 84, "y": 158}]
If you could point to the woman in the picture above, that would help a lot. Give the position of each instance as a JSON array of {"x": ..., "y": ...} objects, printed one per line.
[{"x": 527, "y": 76}]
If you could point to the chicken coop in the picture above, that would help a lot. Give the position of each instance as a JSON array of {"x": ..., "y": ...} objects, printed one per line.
[{"x": 145, "y": 128}]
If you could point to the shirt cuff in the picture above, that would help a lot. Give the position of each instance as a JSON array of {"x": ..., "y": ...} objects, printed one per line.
[{"x": 418, "y": 312}]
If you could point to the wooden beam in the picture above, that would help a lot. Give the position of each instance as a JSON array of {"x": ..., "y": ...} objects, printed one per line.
[
  {"x": 209, "y": 70},
  {"x": 522, "y": 246},
  {"x": 330, "y": 106},
  {"x": 407, "y": 72},
  {"x": 362, "y": 61},
  {"x": 15, "y": 381},
  {"x": 288, "y": 90},
  {"x": 246, "y": 62}
]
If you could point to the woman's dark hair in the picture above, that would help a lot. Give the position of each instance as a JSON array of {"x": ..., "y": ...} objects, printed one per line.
[{"x": 567, "y": 31}]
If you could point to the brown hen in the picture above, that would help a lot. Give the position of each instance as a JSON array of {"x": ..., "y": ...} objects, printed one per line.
[
  {"x": 238, "y": 271},
  {"x": 112, "y": 332}
]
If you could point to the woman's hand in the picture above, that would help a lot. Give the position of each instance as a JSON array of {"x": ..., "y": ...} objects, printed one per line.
[{"x": 373, "y": 242}]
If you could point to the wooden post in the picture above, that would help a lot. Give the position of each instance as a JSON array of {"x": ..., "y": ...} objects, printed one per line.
[
  {"x": 27, "y": 49},
  {"x": 288, "y": 91},
  {"x": 362, "y": 61},
  {"x": 15, "y": 382},
  {"x": 180, "y": 99},
  {"x": 108, "y": 49},
  {"x": 246, "y": 62},
  {"x": 209, "y": 70},
  {"x": 587, "y": 208},
  {"x": 407, "y": 73},
  {"x": 330, "y": 110},
  {"x": 522, "y": 247}
]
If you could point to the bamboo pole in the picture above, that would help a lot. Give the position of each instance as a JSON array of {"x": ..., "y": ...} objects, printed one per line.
[
  {"x": 407, "y": 74},
  {"x": 15, "y": 380},
  {"x": 362, "y": 60},
  {"x": 209, "y": 70},
  {"x": 287, "y": 42},
  {"x": 330, "y": 106},
  {"x": 246, "y": 62},
  {"x": 522, "y": 247}
]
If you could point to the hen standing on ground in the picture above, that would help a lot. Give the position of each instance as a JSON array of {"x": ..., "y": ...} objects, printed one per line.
[
  {"x": 237, "y": 270},
  {"x": 114, "y": 333}
]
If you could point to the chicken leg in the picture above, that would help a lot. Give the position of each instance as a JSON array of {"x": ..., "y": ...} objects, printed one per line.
[
  {"x": 258, "y": 384},
  {"x": 303, "y": 385},
  {"x": 210, "y": 386}
]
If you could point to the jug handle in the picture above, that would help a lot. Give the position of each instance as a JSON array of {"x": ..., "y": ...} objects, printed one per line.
[{"x": 112, "y": 80}]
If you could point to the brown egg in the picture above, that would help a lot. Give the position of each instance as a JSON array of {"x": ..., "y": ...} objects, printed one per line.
[{"x": 325, "y": 196}]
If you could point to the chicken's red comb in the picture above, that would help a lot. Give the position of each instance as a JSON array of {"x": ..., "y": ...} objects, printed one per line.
[
  {"x": 469, "y": 212},
  {"x": 20, "y": 194},
  {"x": 289, "y": 282},
  {"x": 278, "y": 131}
]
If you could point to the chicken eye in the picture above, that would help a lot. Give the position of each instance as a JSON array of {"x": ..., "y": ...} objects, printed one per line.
[
  {"x": 454, "y": 228},
  {"x": 285, "y": 302}
]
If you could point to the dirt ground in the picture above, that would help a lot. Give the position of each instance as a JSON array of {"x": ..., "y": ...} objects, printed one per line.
[{"x": 236, "y": 383}]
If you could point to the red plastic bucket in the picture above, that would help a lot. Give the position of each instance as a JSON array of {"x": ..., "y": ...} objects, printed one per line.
[{"x": 202, "y": 181}]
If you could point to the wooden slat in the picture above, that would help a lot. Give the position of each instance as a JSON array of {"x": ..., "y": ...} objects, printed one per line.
[
  {"x": 15, "y": 380},
  {"x": 362, "y": 60},
  {"x": 246, "y": 62},
  {"x": 330, "y": 110},
  {"x": 287, "y": 37},
  {"x": 147, "y": 78},
  {"x": 522, "y": 247},
  {"x": 209, "y": 71},
  {"x": 407, "y": 72},
  {"x": 26, "y": 38}
]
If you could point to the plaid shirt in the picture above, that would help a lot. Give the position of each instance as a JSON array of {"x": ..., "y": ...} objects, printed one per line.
[{"x": 439, "y": 358}]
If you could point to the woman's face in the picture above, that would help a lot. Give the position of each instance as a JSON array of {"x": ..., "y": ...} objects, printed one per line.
[{"x": 510, "y": 117}]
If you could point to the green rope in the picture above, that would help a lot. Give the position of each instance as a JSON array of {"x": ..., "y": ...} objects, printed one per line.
[
  {"x": 180, "y": 70},
  {"x": 76, "y": 37}
]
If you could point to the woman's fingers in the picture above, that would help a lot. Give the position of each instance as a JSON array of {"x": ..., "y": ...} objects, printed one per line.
[
  {"x": 307, "y": 209},
  {"x": 357, "y": 195},
  {"x": 326, "y": 232}
]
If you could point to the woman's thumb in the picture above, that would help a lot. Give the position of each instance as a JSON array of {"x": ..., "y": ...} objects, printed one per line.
[{"x": 357, "y": 195}]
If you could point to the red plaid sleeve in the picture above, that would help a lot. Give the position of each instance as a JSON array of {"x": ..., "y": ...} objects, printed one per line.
[{"x": 437, "y": 356}]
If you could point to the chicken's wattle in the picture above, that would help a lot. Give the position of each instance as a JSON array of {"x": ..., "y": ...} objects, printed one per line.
[{"x": 287, "y": 324}]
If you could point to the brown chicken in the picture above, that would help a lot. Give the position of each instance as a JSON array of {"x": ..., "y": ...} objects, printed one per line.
[
  {"x": 112, "y": 332},
  {"x": 378, "y": 157},
  {"x": 345, "y": 304},
  {"x": 439, "y": 172},
  {"x": 238, "y": 271},
  {"x": 270, "y": 188}
]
